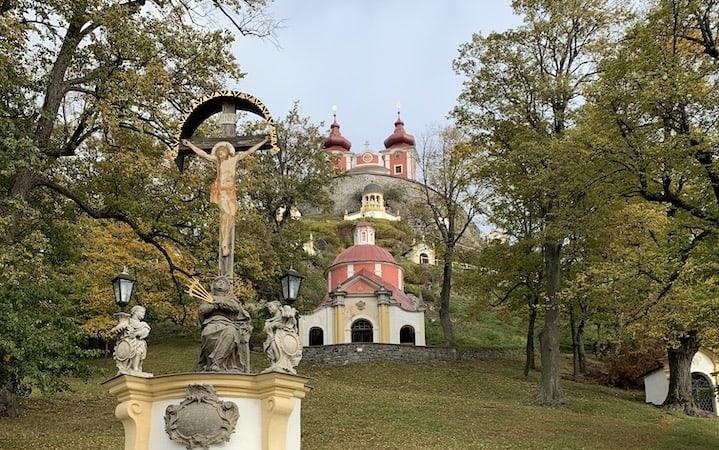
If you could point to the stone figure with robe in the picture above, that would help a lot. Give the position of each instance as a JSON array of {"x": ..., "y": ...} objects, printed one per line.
[
  {"x": 226, "y": 330},
  {"x": 131, "y": 348}
]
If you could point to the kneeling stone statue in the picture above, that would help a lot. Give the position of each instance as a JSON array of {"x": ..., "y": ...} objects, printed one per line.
[
  {"x": 131, "y": 348},
  {"x": 282, "y": 345}
]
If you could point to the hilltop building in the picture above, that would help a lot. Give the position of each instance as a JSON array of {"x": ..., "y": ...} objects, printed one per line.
[
  {"x": 365, "y": 299},
  {"x": 372, "y": 206},
  {"x": 421, "y": 253},
  {"x": 398, "y": 159}
]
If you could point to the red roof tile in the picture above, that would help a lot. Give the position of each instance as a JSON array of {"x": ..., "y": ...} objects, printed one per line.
[{"x": 364, "y": 253}]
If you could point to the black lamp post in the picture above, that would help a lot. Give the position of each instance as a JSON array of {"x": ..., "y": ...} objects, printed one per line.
[
  {"x": 291, "y": 282},
  {"x": 122, "y": 285}
]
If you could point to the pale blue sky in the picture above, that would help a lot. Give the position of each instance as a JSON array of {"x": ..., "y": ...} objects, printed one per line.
[{"x": 364, "y": 56}]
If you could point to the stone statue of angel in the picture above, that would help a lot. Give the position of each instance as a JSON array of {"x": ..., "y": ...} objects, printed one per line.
[
  {"x": 131, "y": 348},
  {"x": 282, "y": 345}
]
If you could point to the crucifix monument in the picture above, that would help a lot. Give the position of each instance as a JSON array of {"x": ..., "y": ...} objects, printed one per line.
[
  {"x": 222, "y": 403},
  {"x": 226, "y": 325}
]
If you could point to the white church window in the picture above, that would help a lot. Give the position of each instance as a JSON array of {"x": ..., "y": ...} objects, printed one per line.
[
  {"x": 316, "y": 336},
  {"x": 406, "y": 335},
  {"x": 397, "y": 169},
  {"x": 423, "y": 258}
]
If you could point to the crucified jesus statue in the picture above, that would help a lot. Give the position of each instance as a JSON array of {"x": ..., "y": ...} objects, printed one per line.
[{"x": 222, "y": 193}]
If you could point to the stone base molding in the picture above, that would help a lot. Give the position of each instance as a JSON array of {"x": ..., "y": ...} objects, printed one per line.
[{"x": 269, "y": 407}]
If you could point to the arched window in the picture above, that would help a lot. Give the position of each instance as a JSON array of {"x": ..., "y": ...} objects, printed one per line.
[
  {"x": 703, "y": 392},
  {"x": 406, "y": 335},
  {"x": 317, "y": 336},
  {"x": 362, "y": 331},
  {"x": 423, "y": 258}
]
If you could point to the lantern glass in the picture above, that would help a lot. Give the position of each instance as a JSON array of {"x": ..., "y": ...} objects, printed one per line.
[
  {"x": 123, "y": 285},
  {"x": 291, "y": 283}
]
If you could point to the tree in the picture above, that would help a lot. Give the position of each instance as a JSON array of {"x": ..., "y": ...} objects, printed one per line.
[
  {"x": 296, "y": 175},
  {"x": 510, "y": 273},
  {"x": 520, "y": 98},
  {"x": 655, "y": 112},
  {"x": 93, "y": 93},
  {"x": 453, "y": 198},
  {"x": 510, "y": 269}
]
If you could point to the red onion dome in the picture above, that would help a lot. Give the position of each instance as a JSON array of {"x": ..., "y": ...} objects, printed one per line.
[
  {"x": 364, "y": 253},
  {"x": 335, "y": 141},
  {"x": 400, "y": 138}
]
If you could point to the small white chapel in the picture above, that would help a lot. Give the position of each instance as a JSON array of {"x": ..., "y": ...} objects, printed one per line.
[
  {"x": 704, "y": 368},
  {"x": 365, "y": 300}
]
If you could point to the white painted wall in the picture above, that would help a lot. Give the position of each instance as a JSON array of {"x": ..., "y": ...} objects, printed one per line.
[
  {"x": 294, "y": 438},
  {"x": 247, "y": 435},
  {"x": 398, "y": 318},
  {"x": 319, "y": 318},
  {"x": 656, "y": 387}
]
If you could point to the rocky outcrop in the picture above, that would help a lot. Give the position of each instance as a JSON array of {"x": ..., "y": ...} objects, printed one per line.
[{"x": 401, "y": 196}]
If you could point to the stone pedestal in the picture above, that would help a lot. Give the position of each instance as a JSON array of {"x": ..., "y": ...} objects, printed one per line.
[{"x": 269, "y": 408}]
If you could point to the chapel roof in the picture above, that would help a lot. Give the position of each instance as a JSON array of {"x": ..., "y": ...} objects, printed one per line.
[
  {"x": 399, "y": 138},
  {"x": 335, "y": 141},
  {"x": 398, "y": 295},
  {"x": 372, "y": 188},
  {"x": 364, "y": 253}
]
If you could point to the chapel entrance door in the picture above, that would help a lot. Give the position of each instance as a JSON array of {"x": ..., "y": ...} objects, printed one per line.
[
  {"x": 703, "y": 392},
  {"x": 362, "y": 331}
]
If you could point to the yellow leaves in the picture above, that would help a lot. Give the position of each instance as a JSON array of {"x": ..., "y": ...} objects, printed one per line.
[{"x": 99, "y": 326}]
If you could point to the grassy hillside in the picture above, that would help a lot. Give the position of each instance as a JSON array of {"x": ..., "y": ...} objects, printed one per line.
[{"x": 467, "y": 404}]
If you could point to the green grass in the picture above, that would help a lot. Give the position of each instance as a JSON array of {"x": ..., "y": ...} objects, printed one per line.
[
  {"x": 475, "y": 327},
  {"x": 467, "y": 404}
]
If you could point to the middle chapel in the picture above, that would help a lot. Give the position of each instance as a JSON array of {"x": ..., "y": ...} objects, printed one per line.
[{"x": 366, "y": 301}]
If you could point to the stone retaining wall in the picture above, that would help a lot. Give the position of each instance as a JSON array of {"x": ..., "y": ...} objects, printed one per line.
[{"x": 341, "y": 354}]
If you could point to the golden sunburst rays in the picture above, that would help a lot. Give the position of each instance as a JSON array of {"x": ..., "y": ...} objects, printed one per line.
[{"x": 197, "y": 290}]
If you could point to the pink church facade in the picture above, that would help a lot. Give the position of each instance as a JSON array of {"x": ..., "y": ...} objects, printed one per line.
[{"x": 397, "y": 159}]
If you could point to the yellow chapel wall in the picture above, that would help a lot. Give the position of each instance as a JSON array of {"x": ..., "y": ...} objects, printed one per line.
[{"x": 368, "y": 311}]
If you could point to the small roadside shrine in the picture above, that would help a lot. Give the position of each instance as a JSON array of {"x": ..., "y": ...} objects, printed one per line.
[{"x": 705, "y": 366}]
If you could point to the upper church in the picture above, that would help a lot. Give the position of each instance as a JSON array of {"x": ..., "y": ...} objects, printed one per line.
[{"x": 398, "y": 159}]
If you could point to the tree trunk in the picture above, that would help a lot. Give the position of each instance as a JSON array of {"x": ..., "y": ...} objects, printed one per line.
[
  {"x": 596, "y": 342},
  {"x": 582, "y": 355},
  {"x": 529, "y": 362},
  {"x": 549, "y": 390},
  {"x": 8, "y": 402},
  {"x": 444, "y": 297},
  {"x": 680, "y": 377},
  {"x": 575, "y": 346}
]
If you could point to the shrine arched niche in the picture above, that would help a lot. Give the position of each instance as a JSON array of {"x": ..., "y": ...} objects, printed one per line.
[{"x": 225, "y": 102}]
